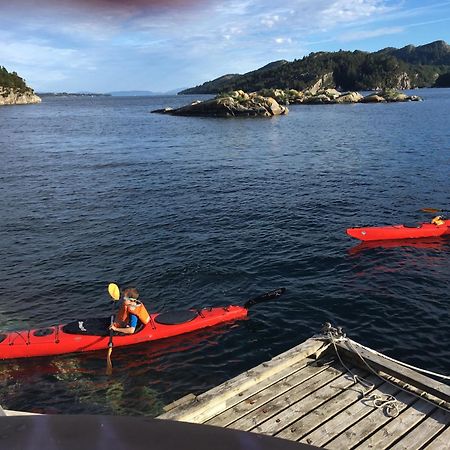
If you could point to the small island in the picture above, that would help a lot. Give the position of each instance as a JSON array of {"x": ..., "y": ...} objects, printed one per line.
[
  {"x": 14, "y": 90},
  {"x": 232, "y": 104},
  {"x": 273, "y": 102}
]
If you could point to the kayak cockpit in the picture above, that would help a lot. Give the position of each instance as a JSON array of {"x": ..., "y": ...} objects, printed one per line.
[
  {"x": 176, "y": 317},
  {"x": 96, "y": 326}
]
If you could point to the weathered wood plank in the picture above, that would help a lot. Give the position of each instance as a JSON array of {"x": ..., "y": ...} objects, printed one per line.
[
  {"x": 265, "y": 391},
  {"x": 299, "y": 409},
  {"x": 207, "y": 405},
  {"x": 181, "y": 401},
  {"x": 393, "y": 429},
  {"x": 345, "y": 419},
  {"x": 442, "y": 442},
  {"x": 281, "y": 402},
  {"x": 370, "y": 423},
  {"x": 415, "y": 391},
  {"x": 427, "y": 384},
  {"x": 325, "y": 412},
  {"x": 424, "y": 432}
]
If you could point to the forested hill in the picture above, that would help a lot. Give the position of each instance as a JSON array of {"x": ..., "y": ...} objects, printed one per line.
[
  {"x": 404, "y": 68},
  {"x": 12, "y": 80},
  {"x": 14, "y": 90}
]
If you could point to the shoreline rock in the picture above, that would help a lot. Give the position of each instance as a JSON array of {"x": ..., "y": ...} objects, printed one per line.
[
  {"x": 333, "y": 96},
  {"x": 10, "y": 96}
]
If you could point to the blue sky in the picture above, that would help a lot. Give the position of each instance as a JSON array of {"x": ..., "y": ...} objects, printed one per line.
[{"x": 160, "y": 45}]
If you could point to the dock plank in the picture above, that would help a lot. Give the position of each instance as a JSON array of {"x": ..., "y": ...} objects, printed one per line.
[
  {"x": 209, "y": 404},
  {"x": 346, "y": 418},
  {"x": 370, "y": 423},
  {"x": 299, "y": 409},
  {"x": 425, "y": 431},
  {"x": 398, "y": 426},
  {"x": 263, "y": 392},
  {"x": 442, "y": 442},
  {"x": 281, "y": 402},
  {"x": 325, "y": 412}
]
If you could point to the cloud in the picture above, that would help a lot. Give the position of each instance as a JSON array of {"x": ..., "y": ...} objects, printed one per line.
[
  {"x": 281, "y": 40},
  {"x": 367, "y": 34},
  {"x": 160, "y": 41},
  {"x": 110, "y": 5}
]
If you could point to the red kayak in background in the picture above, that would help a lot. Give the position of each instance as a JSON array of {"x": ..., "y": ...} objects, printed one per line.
[
  {"x": 421, "y": 230},
  {"x": 93, "y": 333}
]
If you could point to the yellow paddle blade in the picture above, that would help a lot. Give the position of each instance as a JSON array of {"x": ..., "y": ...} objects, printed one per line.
[{"x": 114, "y": 291}]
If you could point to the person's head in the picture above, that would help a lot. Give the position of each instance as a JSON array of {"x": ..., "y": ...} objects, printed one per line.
[{"x": 130, "y": 295}]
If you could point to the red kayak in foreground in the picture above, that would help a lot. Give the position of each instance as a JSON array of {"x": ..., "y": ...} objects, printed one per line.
[
  {"x": 422, "y": 230},
  {"x": 93, "y": 333}
]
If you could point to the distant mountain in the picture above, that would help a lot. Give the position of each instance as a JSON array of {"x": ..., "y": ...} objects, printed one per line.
[
  {"x": 405, "y": 68},
  {"x": 434, "y": 54}
]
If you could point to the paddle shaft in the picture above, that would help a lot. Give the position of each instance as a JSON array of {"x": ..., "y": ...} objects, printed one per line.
[
  {"x": 433, "y": 210},
  {"x": 110, "y": 347}
]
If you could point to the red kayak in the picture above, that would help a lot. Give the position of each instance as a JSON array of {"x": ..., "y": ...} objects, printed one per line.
[
  {"x": 421, "y": 230},
  {"x": 93, "y": 333}
]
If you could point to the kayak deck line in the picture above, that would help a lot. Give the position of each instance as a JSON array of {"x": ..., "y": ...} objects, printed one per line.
[{"x": 309, "y": 394}]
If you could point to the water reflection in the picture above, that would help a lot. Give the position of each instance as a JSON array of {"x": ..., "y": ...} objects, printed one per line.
[
  {"x": 80, "y": 383},
  {"x": 439, "y": 243}
]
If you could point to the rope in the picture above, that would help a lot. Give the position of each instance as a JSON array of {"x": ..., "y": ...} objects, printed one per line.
[
  {"x": 387, "y": 402},
  {"x": 390, "y": 403},
  {"x": 418, "y": 369}
]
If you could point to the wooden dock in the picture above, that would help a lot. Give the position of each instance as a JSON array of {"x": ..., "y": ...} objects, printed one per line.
[{"x": 309, "y": 395}]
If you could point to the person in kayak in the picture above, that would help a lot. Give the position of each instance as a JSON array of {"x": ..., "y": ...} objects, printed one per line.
[
  {"x": 131, "y": 314},
  {"x": 438, "y": 220}
]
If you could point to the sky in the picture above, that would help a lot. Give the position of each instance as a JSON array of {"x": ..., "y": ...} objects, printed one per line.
[{"x": 164, "y": 45}]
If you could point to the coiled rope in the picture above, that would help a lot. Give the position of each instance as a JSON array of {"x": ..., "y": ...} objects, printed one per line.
[{"x": 388, "y": 402}]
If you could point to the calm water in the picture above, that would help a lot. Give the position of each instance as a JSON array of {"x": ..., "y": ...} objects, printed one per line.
[{"x": 200, "y": 212}]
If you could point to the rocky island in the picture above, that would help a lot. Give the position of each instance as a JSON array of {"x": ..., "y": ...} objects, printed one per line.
[
  {"x": 232, "y": 104},
  {"x": 14, "y": 91},
  {"x": 272, "y": 102}
]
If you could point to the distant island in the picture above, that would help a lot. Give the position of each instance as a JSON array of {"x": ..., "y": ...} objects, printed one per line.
[
  {"x": 14, "y": 90},
  {"x": 142, "y": 93},
  {"x": 72, "y": 94},
  {"x": 405, "y": 68}
]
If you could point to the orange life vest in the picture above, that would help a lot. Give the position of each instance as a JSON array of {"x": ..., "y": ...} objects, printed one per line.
[
  {"x": 139, "y": 310},
  {"x": 438, "y": 220}
]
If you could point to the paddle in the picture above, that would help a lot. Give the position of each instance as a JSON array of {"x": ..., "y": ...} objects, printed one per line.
[
  {"x": 264, "y": 297},
  {"x": 114, "y": 292},
  {"x": 432, "y": 210}
]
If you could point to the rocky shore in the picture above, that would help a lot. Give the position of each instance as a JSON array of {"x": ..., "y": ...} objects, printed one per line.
[
  {"x": 273, "y": 102},
  {"x": 9, "y": 96},
  {"x": 332, "y": 96}
]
